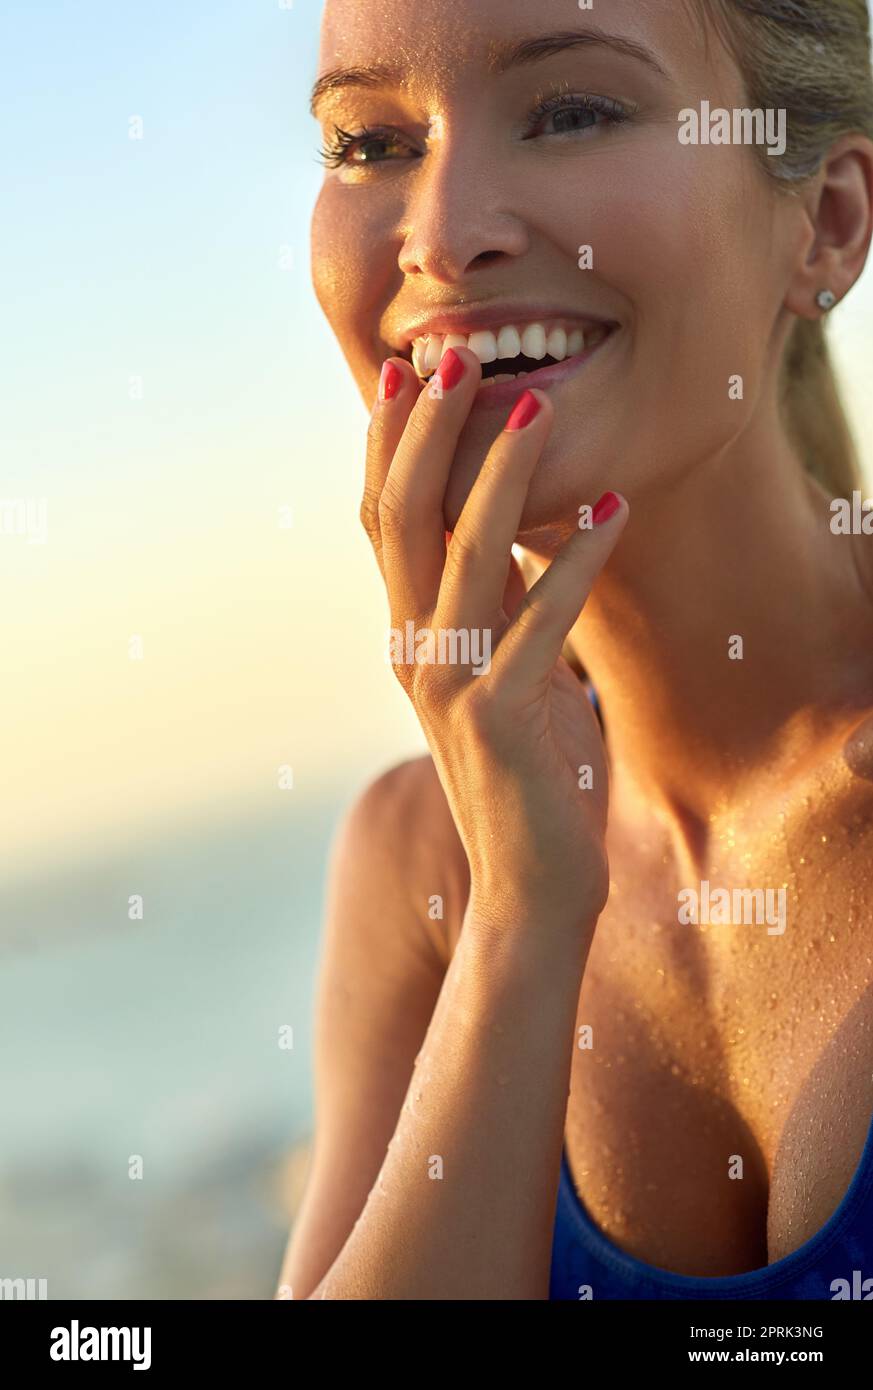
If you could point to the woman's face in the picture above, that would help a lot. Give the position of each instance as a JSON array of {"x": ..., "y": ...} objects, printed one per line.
[{"x": 484, "y": 169}]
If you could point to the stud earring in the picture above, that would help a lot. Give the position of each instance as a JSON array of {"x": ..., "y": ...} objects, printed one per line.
[{"x": 826, "y": 300}]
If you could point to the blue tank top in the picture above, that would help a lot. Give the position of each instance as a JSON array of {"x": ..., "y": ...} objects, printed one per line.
[{"x": 586, "y": 1263}]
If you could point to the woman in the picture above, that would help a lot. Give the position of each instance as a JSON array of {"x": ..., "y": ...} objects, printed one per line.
[{"x": 563, "y": 1050}]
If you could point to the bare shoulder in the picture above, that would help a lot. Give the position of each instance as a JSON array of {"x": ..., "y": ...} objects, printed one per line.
[{"x": 399, "y": 833}]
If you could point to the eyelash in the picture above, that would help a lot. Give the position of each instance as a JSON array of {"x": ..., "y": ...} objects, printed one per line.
[{"x": 335, "y": 152}]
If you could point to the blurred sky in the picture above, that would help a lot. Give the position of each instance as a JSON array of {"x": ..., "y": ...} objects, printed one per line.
[{"x": 161, "y": 259}]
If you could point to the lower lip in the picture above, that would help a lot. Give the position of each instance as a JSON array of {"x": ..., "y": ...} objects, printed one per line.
[{"x": 504, "y": 394}]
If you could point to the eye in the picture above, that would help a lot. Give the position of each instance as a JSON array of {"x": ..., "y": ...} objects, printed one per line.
[
  {"x": 377, "y": 145},
  {"x": 570, "y": 114}
]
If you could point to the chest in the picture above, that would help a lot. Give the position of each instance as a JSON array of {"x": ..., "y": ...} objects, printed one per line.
[{"x": 722, "y": 1078}]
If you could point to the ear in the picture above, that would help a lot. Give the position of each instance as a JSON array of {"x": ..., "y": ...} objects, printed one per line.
[{"x": 839, "y": 205}]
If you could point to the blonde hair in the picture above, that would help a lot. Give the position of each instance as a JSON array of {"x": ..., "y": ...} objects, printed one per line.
[{"x": 810, "y": 58}]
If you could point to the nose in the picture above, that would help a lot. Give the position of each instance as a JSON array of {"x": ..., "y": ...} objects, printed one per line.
[{"x": 457, "y": 219}]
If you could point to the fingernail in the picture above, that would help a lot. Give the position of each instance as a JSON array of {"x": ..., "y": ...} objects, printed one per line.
[
  {"x": 389, "y": 381},
  {"x": 450, "y": 369},
  {"x": 526, "y": 408},
  {"x": 606, "y": 507}
]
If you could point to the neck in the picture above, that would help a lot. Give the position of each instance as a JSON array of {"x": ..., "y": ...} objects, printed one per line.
[{"x": 741, "y": 549}]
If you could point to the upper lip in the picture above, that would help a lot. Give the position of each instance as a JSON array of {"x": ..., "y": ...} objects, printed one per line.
[{"x": 471, "y": 318}]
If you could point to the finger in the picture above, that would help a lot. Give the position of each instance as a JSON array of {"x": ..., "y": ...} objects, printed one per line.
[
  {"x": 513, "y": 596},
  {"x": 516, "y": 589},
  {"x": 411, "y": 505},
  {"x": 481, "y": 549},
  {"x": 399, "y": 389},
  {"x": 532, "y": 643},
  {"x": 516, "y": 584}
]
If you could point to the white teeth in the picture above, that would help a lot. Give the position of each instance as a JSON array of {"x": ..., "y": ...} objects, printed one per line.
[
  {"x": 419, "y": 356},
  {"x": 434, "y": 353},
  {"x": 533, "y": 341},
  {"x": 508, "y": 342},
  {"x": 556, "y": 344},
  {"x": 484, "y": 345}
]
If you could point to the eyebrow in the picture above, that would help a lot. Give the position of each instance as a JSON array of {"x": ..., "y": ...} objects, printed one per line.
[
  {"x": 502, "y": 57},
  {"x": 338, "y": 78}
]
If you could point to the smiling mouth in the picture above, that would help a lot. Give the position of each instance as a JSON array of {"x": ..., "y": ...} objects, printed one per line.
[{"x": 514, "y": 350}]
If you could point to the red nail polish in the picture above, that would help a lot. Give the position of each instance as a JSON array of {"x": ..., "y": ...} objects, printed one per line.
[
  {"x": 450, "y": 369},
  {"x": 526, "y": 408},
  {"x": 390, "y": 381},
  {"x": 606, "y": 507}
]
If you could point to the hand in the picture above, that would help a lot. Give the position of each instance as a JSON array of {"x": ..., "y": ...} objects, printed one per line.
[{"x": 512, "y": 743}]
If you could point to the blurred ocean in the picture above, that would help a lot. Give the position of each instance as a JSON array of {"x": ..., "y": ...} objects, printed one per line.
[{"x": 160, "y": 1038}]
